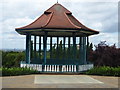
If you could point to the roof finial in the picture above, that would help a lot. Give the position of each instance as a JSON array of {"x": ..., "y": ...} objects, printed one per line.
[{"x": 57, "y": 1}]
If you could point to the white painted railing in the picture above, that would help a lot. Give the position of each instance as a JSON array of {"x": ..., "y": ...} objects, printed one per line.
[
  {"x": 58, "y": 68},
  {"x": 85, "y": 67}
]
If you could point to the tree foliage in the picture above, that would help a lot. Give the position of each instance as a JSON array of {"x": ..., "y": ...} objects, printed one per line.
[
  {"x": 12, "y": 59},
  {"x": 105, "y": 55}
]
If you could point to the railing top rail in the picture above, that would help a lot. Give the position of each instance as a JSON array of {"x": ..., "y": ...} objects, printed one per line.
[{"x": 56, "y": 64}]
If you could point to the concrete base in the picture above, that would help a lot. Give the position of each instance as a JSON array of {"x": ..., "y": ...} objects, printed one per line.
[{"x": 64, "y": 79}]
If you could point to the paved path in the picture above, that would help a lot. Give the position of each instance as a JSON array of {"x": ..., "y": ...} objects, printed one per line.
[
  {"x": 65, "y": 79},
  {"x": 68, "y": 81}
]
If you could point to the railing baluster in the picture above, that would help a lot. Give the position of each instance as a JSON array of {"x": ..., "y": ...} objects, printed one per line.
[
  {"x": 78, "y": 68},
  {"x": 65, "y": 68},
  {"x": 45, "y": 68},
  {"x": 36, "y": 67},
  {"x": 75, "y": 68},
  {"x": 48, "y": 67},
  {"x": 40, "y": 68},
  {"x": 68, "y": 68},
  {"x": 62, "y": 68},
  {"x": 51, "y": 68},
  {"x": 72, "y": 68},
  {"x": 56, "y": 68}
]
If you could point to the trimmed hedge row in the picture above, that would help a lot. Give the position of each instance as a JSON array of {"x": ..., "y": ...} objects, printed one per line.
[
  {"x": 104, "y": 71},
  {"x": 17, "y": 71}
]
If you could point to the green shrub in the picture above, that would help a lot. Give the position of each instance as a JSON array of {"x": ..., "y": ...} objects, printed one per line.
[
  {"x": 17, "y": 71},
  {"x": 105, "y": 71},
  {"x": 12, "y": 59}
]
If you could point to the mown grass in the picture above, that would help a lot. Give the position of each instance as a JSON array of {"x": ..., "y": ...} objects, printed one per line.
[
  {"x": 104, "y": 71},
  {"x": 15, "y": 71}
]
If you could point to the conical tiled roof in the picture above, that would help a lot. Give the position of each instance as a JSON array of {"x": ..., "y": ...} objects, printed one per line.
[{"x": 57, "y": 18}]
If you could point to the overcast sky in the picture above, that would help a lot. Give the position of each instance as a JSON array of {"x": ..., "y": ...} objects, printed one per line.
[{"x": 98, "y": 15}]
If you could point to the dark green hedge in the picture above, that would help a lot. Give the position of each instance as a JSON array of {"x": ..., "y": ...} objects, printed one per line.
[
  {"x": 17, "y": 71},
  {"x": 12, "y": 59},
  {"x": 104, "y": 71}
]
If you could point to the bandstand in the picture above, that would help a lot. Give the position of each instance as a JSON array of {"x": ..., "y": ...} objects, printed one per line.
[{"x": 56, "y": 42}]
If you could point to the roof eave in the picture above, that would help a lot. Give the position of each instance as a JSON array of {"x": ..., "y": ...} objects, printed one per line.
[{"x": 23, "y": 31}]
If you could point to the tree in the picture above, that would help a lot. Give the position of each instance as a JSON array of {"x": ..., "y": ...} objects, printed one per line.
[
  {"x": 105, "y": 55},
  {"x": 12, "y": 59}
]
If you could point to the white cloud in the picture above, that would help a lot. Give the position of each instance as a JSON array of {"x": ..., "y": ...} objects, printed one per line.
[
  {"x": 110, "y": 38},
  {"x": 97, "y": 25},
  {"x": 10, "y": 38},
  {"x": 104, "y": 15}
]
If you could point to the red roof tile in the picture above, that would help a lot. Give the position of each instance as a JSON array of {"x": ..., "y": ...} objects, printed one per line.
[{"x": 57, "y": 17}]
